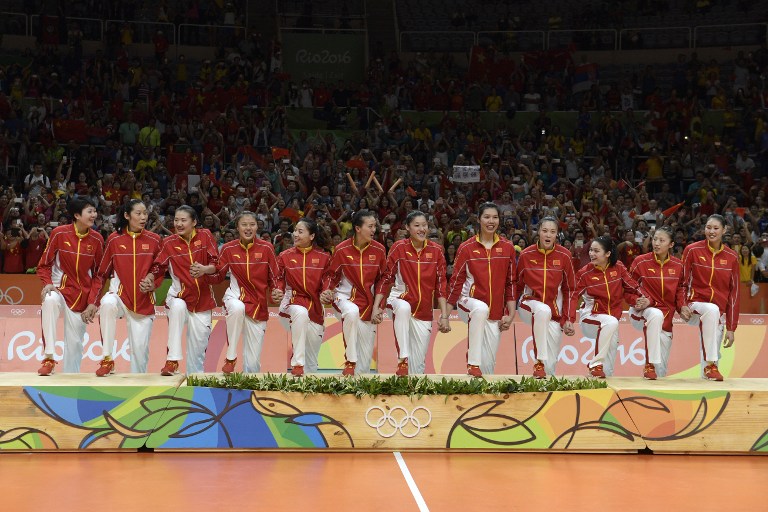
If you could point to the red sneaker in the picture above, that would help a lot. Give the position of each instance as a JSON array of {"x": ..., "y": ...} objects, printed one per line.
[
  {"x": 712, "y": 373},
  {"x": 649, "y": 372},
  {"x": 106, "y": 367},
  {"x": 402, "y": 368},
  {"x": 229, "y": 366},
  {"x": 170, "y": 368},
  {"x": 349, "y": 369},
  {"x": 474, "y": 371},
  {"x": 597, "y": 372},
  {"x": 538, "y": 370},
  {"x": 48, "y": 367},
  {"x": 297, "y": 371}
]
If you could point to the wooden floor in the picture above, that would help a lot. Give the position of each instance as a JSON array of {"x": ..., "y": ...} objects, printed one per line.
[{"x": 375, "y": 481}]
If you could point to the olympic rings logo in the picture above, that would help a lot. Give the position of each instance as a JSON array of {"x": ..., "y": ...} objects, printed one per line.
[
  {"x": 757, "y": 321},
  {"x": 13, "y": 295},
  {"x": 397, "y": 419},
  {"x": 18, "y": 312}
]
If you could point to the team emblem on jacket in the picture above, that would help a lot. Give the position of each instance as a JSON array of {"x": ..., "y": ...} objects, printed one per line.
[
  {"x": 198, "y": 243},
  {"x": 652, "y": 270},
  {"x": 236, "y": 256},
  {"x": 671, "y": 271},
  {"x": 556, "y": 263},
  {"x": 429, "y": 256},
  {"x": 89, "y": 248},
  {"x": 315, "y": 261},
  {"x": 144, "y": 247},
  {"x": 499, "y": 250},
  {"x": 723, "y": 262},
  {"x": 257, "y": 255},
  {"x": 614, "y": 273},
  {"x": 123, "y": 247},
  {"x": 372, "y": 257}
]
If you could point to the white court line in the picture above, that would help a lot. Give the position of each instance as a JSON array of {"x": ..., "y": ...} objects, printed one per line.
[{"x": 411, "y": 483}]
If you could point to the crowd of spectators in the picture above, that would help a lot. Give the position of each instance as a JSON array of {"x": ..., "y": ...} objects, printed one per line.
[{"x": 636, "y": 150}]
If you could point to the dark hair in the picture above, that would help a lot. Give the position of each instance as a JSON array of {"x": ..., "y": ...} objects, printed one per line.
[
  {"x": 719, "y": 218},
  {"x": 321, "y": 239},
  {"x": 487, "y": 206},
  {"x": 124, "y": 211},
  {"x": 550, "y": 218},
  {"x": 606, "y": 243},
  {"x": 77, "y": 205},
  {"x": 412, "y": 216},
  {"x": 668, "y": 231},
  {"x": 359, "y": 217},
  {"x": 191, "y": 211},
  {"x": 245, "y": 213}
]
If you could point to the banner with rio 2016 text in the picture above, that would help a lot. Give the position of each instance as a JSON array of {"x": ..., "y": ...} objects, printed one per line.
[
  {"x": 21, "y": 347},
  {"x": 325, "y": 57}
]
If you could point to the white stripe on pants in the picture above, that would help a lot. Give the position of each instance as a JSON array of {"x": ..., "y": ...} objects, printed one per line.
[
  {"x": 547, "y": 333},
  {"x": 306, "y": 336},
  {"x": 198, "y": 330},
  {"x": 139, "y": 330},
  {"x": 483, "y": 335},
  {"x": 604, "y": 329},
  {"x": 237, "y": 323},
  {"x": 359, "y": 336},
  {"x": 650, "y": 322},
  {"x": 711, "y": 324},
  {"x": 53, "y": 306},
  {"x": 411, "y": 334}
]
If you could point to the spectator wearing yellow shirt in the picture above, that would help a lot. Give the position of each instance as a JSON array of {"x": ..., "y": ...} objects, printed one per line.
[
  {"x": 493, "y": 102},
  {"x": 149, "y": 136},
  {"x": 747, "y": 264},
  {"x": 424, "y": 134}
]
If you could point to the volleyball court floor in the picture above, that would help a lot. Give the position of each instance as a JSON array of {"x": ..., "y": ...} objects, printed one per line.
[{"x": 381, "y": 482}]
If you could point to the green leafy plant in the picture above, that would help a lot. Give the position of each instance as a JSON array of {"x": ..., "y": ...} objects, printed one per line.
[{"x": 408, "y": 386}]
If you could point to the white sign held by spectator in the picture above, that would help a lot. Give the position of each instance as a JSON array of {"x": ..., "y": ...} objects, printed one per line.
[{"x": 466, "y": 174}]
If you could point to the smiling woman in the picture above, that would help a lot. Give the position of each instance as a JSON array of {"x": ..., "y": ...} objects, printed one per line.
[{"x": 416, "y": 267}]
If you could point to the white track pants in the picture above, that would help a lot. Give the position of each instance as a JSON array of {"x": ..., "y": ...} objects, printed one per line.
[
  {"x": 198, "y": 330},
  {"x": 359, "y": 336},
  {"x": 53, "y": 306},
  {"x": 658, "y": 343},
  {"x": 306, "y": 336},
  {"x": 139, "y": 330},
  {"x": 604, "y": 329},
  {"x": 711, "y": 324},
  {"x": 411, "y": 334},
  {"x": 252, "y": 331},
  {"x": 547, "y": 333},
  {"x": 483, "y": 334}
]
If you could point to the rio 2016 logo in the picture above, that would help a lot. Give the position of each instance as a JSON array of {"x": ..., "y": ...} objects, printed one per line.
[
  {"x": 322, "y": 57},
  {"x": 13, "y": 295}
]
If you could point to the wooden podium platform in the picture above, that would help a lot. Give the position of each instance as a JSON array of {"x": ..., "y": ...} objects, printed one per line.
[{"x": 131, "y": 412}]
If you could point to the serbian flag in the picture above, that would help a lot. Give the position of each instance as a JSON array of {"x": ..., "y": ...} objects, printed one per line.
[
  {"x": 280, "y": 153},
  {"x": 672, "y": 209},
  {"x": 584, "y": 77},
  {"x": 70, "y": 129},
  {"x": 179, "y": 162}
]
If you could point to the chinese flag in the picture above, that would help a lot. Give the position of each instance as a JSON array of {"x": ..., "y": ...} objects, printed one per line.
[
  {"x": 672, "y": 209},
  {"x": 70, "y": 129},
  {"x": 280, "y": 153},
  {"x": 178, "y": 162}
]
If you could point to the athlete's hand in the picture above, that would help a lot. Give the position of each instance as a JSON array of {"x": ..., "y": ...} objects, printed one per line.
[
  {"x": 568, "y": 329},
  {"x": 46, "y": 289},
  {"x": 444, "y": 325},
  {"x": 730, "y": 337},
  {"x": 147, "y": 284},
  {"x": 642, "y": 303},
  {"x": 196, "y": 270},
  {"x": 89, "y": 313},
  {"x": 505, "y": 322},
  {"x": 277, "y": 295},
  {"x": 686, "y": 313},
  {"x": 326, "y": 297},
  {"x": 377, "y": 315}
]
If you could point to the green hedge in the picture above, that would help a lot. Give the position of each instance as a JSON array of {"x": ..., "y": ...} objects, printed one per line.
[{"x": 410, "y": 386}]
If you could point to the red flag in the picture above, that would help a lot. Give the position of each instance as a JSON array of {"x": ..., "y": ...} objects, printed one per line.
[
  {"x": 178, "y": 162},
  {"x": 479, "y": 61},
  {"x": 356, "y": 163},
  {"x": 641, "y": 184},
  {"x": 280, "y": 153},
  {"x": 672, "y": 209},
  {"x": 70, "y": 129},
  {"x": 632, "y": 214}
]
